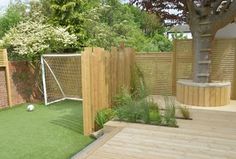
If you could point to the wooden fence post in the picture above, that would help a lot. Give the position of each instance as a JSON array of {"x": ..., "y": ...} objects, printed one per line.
[
  {"x": 174, "y": 69},
  {"x": 86, "y": 86},
  {"x": 234, "y": 77},
  {"x": 7, "y": 74}
]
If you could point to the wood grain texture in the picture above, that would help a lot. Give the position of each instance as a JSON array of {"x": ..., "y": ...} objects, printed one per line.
[
  {"x": 193, "y": 139},
  {"x": 163, "y": 69},
  {"x": 104, "y": 73},
  {"x": 4, "y": 64},
  {"x": 203, "y": 96}
]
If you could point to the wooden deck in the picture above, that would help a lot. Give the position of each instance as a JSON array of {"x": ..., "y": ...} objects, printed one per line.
[{"x": 211, "y": 134}]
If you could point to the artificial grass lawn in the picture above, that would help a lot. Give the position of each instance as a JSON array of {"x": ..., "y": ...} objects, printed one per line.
[{"x": 49, "y": 132}]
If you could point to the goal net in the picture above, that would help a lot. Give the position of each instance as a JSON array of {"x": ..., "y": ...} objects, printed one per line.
[{"x": 61, "y": 75}]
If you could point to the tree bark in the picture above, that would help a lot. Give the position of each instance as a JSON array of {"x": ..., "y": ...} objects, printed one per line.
[{"x": 202, "y": 46}]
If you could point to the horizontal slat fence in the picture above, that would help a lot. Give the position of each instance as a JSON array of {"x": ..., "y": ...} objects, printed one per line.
[
  {"x": 104, "y": 73},
  {"x": 162, "y": 69},
  {"x": 157, "y": 71},
  {"x": 223, "y": 61}
]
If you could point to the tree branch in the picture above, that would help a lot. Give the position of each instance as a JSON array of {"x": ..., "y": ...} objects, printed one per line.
[
  {"x": 190, "y": 6},
  {"x": 226, "y": 6},
  {"x": 215, "y": 5},
  {"x": 226, "y": 17}
]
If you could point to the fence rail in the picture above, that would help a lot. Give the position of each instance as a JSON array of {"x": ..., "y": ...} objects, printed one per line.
[{"x": 162, "y": 69}]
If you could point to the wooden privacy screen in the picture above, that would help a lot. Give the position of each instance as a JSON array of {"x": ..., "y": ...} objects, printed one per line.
[
  {"x": 223, "y": 65},
  {"x": 104, "y": 73},
  {"x": 160, "y": 69},
  {"x": 157, "y": 71},
  {"x": 5, "y": 91}
]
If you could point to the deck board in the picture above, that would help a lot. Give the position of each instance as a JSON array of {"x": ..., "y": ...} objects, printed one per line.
[{"x": 211, "y": 134}]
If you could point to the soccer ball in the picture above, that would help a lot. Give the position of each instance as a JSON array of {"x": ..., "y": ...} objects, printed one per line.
[{"x": 30, "y": 107}]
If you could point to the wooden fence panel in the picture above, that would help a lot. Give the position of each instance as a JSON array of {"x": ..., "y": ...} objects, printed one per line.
[
  {"x": 223, "y": 66},
  {"x": 157, "y": 71},
  {"x": 160, "y": 69},
  {"x": 104, "y": 73}
]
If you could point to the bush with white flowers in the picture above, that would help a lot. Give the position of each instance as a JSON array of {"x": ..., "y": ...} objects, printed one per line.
[{"x": 33, "y": 38}]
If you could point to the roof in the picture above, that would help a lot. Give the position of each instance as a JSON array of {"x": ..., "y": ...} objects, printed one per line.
[{"x": 180, "y": 28}]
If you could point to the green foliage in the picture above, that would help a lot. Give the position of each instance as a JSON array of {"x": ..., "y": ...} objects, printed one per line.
[
  {"x": 31, "y": 38},
  {"x": 128, "y": 112},
  {"x": 154, "y": 113},
  {"x": 178, "y": 35},
  {"x": 13, "y": 15},
  {"x": 123, "y": 98},
  {"x": 109, "y": 22},
  {"x": 67, "y": 14},
  {"x": 98, "y": 33},
  {"x": 169, "y": 114},
  {"x": 184, "y": 110},
  {"x": 137, "y": 110},
  {"x": 99, "y": 23},
  {"x": 138, "y": 86},
  {"x": 104, "y": 116}
]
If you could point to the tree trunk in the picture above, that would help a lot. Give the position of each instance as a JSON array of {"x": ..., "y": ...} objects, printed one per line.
[{"x": 202, "y": 45}]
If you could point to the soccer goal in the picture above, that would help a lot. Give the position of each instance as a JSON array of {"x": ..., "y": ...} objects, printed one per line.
[{"x": 61, "y": 74}]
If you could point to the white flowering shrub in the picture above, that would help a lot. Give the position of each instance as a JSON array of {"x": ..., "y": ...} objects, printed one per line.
[{"x": 31, "y": 38}]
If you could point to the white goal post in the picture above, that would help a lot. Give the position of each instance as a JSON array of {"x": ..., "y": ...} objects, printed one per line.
[{"x": 61, "y": 75}]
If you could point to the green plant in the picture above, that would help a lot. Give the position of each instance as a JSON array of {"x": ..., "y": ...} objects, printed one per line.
[
  {"x": 139, "y": 111},
  {"x": 122, "y": 98},
  {"x": 12, "y": 16},
  {"x": 126, "y": 107},
  {"x": 169, "y": 114},
  {"x": 104, "y": 116},
  {"x": 138, "y": 86},
  {"x": 143, "y": 105},
  {"x": 128, "y": 112},
  {"x": 184, "y": 110},
  {"x": 32, "y": 38},
  {"x": 154, "y": 113}
]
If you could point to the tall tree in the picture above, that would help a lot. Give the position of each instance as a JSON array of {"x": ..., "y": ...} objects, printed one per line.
[
  {"x": 11, "y": 17},
  {"x": 67, "y": 14},
  {"x": 205, "y": 18}
]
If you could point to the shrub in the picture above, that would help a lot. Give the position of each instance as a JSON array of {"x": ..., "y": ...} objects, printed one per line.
[
  {"x": 138, "y": 86},
  {"x": 128, "y": 112},
  {"x": 104, "y": 116},
  {"x": 184, "y": 110},
  {"x": 154, "y": 113},
  {"x": 31, "y": 38},
  {"x": 13, "y": 15},
  {"x": 144, "y": 110},
  {"x": 123, "y": 98},
  {"x": 143, "y": 105},
  {"x": 141, "y": 111},
  {"x": 169, "y": 114}
]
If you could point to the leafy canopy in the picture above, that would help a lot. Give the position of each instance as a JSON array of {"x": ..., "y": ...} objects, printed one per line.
[
  {"x": 32, "y": 38},
  {"x": 11, "y": 17}
]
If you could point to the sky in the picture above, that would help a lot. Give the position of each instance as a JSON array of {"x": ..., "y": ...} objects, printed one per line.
[{"x": 4, "y": 3}]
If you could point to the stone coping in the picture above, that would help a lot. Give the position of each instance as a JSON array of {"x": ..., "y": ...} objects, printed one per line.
[{"x": 212, "y": 84}]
